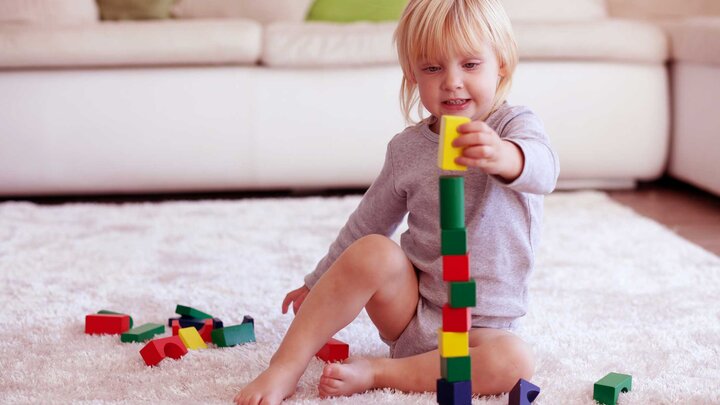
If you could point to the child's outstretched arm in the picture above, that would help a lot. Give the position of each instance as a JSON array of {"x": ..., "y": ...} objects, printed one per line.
[{"x": 483, "y": 148}]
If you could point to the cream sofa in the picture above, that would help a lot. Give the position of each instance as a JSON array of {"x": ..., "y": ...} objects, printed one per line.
[{"x": 207, "y": 104}]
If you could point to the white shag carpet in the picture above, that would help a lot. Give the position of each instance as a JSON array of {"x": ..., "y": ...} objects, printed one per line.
[{"x": 612, "y": 291}]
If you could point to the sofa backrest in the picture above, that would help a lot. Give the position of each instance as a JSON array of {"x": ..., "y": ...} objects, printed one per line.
[
  {"x": 53, "y": 12},
  {"x": 660, "y": 9}
]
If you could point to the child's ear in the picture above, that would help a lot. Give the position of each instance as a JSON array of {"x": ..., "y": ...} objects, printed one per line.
[{"x": 502, "y": 72}]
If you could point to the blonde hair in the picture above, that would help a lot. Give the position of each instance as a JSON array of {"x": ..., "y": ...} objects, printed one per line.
[{"x": 431, "y": 29}]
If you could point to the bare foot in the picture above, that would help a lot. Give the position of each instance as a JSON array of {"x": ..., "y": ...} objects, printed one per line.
[
  {"x": 357, "y": 375},
  {"x": 271, "y": 387}
]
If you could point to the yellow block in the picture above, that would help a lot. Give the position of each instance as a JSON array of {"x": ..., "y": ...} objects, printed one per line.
[
  {"x": 191, "y": 338},
  {"x": 448, "y": 132},
  {"x": 453, "y": 344}
]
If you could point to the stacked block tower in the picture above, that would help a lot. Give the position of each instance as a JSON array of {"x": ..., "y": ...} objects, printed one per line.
[{"x": 454, "y": 386}]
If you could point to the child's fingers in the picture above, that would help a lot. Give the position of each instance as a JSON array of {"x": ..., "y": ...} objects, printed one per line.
[
  {"x": 474, "y": 138},
  {"x": 473, "y": 126},
  {"x": 479, "y": 152}
]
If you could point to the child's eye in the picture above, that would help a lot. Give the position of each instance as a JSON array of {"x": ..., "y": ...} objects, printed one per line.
[
  {"x": 431, "y": 69},
  {"x": 470, "y": 65}
]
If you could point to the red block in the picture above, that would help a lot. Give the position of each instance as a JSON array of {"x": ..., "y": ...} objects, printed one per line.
[
  {"x": 334, "y": 350},
  {"x": 455, "y": 319},
  {"x": 206, "y": 331},
  {"x": 110, "y": 324},
  {"x": 175, "y": 327},
  {"x": 158, "y": 349},
  {"x": 456, "y": 268}
]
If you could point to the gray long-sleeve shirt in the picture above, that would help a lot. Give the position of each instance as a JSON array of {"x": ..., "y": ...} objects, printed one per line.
[{"x": 503, "y": 220}]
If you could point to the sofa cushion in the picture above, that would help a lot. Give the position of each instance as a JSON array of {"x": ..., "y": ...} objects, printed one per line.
[
  {"x": 55, "y": 12},
  {"x": 695, "y": 40},
  {"x": 134, "y": 9},
  {"x": 326, "y": 44},
  {"x": 662, "y": 9},
  {"x": 554, "y": 10},
  {"x": 131, "y": 43},
  {"x": 356, "y": 10},
  {"x": 264, "y": 11}
]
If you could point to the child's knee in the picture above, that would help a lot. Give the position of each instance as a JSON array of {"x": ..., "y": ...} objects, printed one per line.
[
  {"x": 377, "y": 255},
  {"x": 501, "y": 364}
]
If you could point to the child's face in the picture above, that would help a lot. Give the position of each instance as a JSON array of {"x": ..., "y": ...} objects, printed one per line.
[{"x": 462, "y": 85}]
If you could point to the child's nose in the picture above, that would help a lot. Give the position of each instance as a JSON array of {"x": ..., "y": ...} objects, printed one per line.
[{"x": 453, "y": 81}]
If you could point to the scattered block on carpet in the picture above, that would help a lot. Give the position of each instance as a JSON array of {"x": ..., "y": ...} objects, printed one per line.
[
  {"x": 156, "y": 350},
  {"x": 454, "y": 393},
  {"x": 234, "y": 335},
  {"x": 523, "y": 393},
  {"x": 107, "y": 312},
  {"x": 455, "y": 319},
  {"x": 454, "y": 369},
  {"x": 206, "y": 331},
  {"x": 191, "y": 338},
  {"x": 142, "y": 333},
  {"x": 462, "y": 294},
  {"x": 175, "y": 325},
  {"x": 333, "y": 350},
  {"x": 110, "y": 324},
  {"x": 448, "y": 133},
  {"x": 608, "y": 388},
  {"x": 198, "y": 323},
  {"x": 453, "y": 344},
  {"x": 191, "y": 312},
  {"x": 456, "y": 267}
]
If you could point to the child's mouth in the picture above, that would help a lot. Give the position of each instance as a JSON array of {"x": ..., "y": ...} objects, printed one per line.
[{"x": 456, "y": 103}]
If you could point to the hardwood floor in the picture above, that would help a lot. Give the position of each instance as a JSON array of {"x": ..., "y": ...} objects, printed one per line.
[{"x": 691, "y": 213}]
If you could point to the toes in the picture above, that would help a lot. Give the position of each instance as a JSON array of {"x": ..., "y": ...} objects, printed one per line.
[
  {"x": 333, "y": 371},
  {"x": 326, "y": 382}
]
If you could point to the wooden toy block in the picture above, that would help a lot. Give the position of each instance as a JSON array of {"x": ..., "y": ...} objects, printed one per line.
[
  {"x": 454, "y": 369},
  {"x": 452, "y": 202},
  {"x": 462, "y": 294},
  {"x": 523, "y": 393},
  {"x": 191, "y": 338},
  {"x": 186, "y": 321},
  {"x": 455, "y": 319},
  {"x": 456, "y": 267},
  {"x": 191, "y": 312},
  {"x": 454, "y": 393},
  {"x": 175, "y": 325},
  {"x": 608, "y": 388},
  {"x": 453, "y": 344},
  {"x": 448, "y": 132},
  {"x": 142, "y": 333},
  {"x": 206, "y": 331},
  {"x": 110, "y": 324},
  {"x": 234, "y": 335},
  {"x": 453, "y": 242},
  {"x": 106, "y": 312},
  {"x": 247, "y": 319},
  {"x": 334, "y": 350},
  {"x": 156, "y": 350}
]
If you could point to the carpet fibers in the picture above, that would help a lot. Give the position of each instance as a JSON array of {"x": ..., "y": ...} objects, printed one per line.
[{"x": 612, "y": 291}]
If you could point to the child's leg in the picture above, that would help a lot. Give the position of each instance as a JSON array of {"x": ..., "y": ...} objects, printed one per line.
[
  {"x": 499, "y": 359},
  {"x": 373, "y": 273}
]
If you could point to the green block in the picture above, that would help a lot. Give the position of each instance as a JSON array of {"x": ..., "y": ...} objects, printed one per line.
[
  {"x": 142, "y": 333},
  {"x": 105, "y": 311},
  {"x": 453, "y": 242},
  {"x": 192, "y": 312},
  {"x": 462, "y": 294},
  {"x": 234, "y": 335},
  {"x": 452, "y": 202},
  {"x": 608, "y": 388},
  {"x": 455, "y": 369}
]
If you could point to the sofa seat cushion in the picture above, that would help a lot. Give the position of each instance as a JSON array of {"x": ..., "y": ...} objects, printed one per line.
[
  {"x": 695, "y": 40},
  {"x": 192, "y": 42},
  {"x": 319, "y": 44}
]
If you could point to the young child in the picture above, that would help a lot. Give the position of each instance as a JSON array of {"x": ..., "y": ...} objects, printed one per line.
[{"x": 459, "y": 55}]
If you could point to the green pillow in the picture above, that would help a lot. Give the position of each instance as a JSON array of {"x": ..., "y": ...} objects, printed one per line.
[
  {"x": 343, "y": 11},
  {"x": 135, "y": 9}
]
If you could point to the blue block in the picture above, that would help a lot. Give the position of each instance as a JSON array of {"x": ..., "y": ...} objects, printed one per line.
[
  {"x": 454, "y": 393},
  {"x": 523, "y": 393}
]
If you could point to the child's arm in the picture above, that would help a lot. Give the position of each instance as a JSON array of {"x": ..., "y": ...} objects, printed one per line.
[{"x": 484, "y": 149}]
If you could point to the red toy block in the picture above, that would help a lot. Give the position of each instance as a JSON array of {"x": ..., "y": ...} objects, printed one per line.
[
  {"x": 158, "y": 349},
  {"x": 455, "y": 319},
  {"x": 334, "y": 350},
  {"x": 206, "y": 331},
  {"x": 456, "y": 268},
  {"x": 175, "y": 327},
  {"x": 111, "y": 324}
]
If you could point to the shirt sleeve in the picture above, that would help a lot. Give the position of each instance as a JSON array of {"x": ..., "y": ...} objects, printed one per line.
[
  {"x": 380, "y": 211},
  {"x": 541, "y": 167}
]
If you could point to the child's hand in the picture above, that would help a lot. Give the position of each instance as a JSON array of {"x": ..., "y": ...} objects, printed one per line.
[
  {"x": 296, "y": 297},
  {"x": 483, "y": 148}
]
